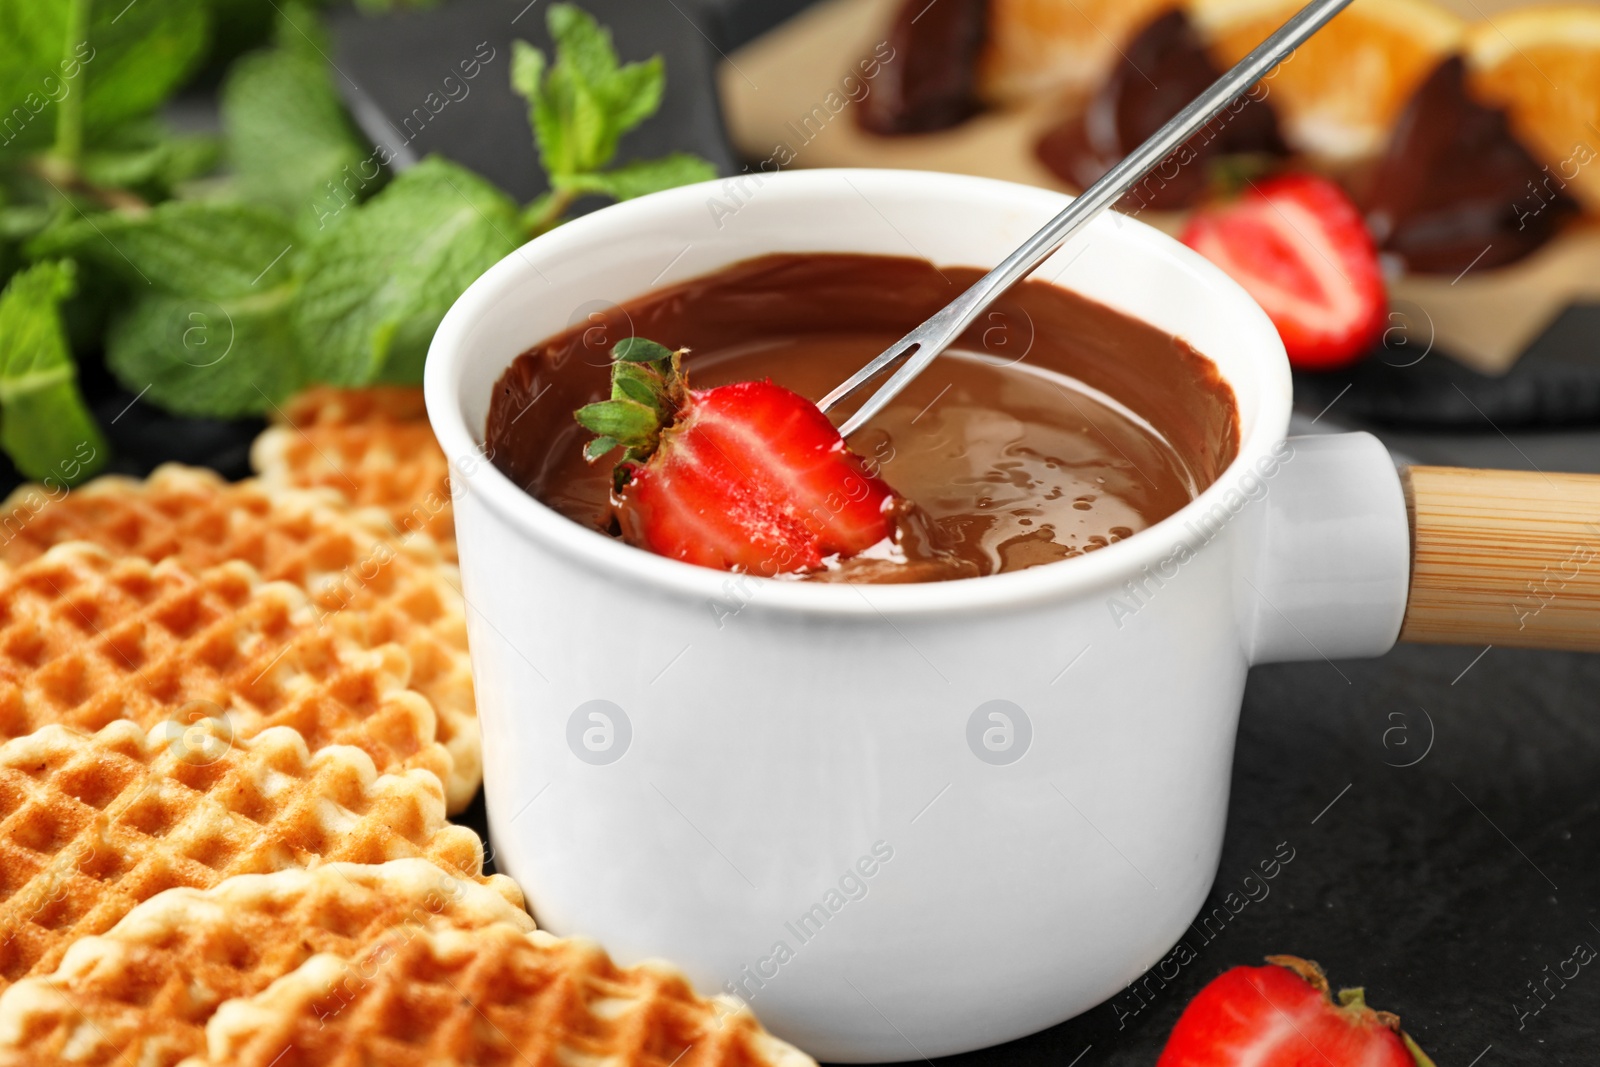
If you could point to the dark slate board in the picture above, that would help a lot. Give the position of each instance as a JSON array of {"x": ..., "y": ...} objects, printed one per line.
[
  {"x": 1444, "y": 887},
  {"x": 1556, "y": 383}
]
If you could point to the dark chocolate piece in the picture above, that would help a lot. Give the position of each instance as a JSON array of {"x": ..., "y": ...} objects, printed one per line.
[
  {"x": 931, "y": 81},
  {"x": 1163, "y": 68},
  {"x": 1455, "y": 184}
]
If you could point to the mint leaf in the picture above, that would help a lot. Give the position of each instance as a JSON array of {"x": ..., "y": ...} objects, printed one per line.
[
  {"x": 141, "y": 53},
  {"x": 527, "y": 70},
  {"x": 589, "y": 129},
  {"x": 375, "y": 287},
  {"x": 645, "y": 176},
  {"x": 208, "y": 330},
  {"x": 188, "y": 248},
  {"x": 298, "y": 28},
  {"x": 582, "y": 44},
  {"x": 44, "y": 426},
  {"x": 218, "y": 358},
  {"x": 32, "y": 84},
  {"x": 289, "y": 140},
  {"x": 585, "y": 101},
  {"x": 579, "y": 108},
  {"x": 626, "y": 95},
  {"x": 129, "y": 61},
  {"x": 20, "y": 222},
  {"x": 549, "y": 107},
  {"x": 634, "y": 93},
  {"x": 144, "y": 155}
]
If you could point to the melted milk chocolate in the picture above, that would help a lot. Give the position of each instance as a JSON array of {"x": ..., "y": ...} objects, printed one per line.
[{"x": 1055, "y": 427}]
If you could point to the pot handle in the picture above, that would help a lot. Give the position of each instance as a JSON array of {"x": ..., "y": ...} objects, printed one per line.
[
  {"x": 1327, "y": 577},
  {"x": 1503, "y": 558}
]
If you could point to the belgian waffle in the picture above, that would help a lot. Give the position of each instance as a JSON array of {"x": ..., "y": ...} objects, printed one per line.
[
  {"x": 365, "y": 582},
  {"x": 142, "y": 992},
  {"x": 492, "y": 996},
  {"x": 373, "y": 445},
  {"x": 93, "y": 824},
  {"x": 86, "y": 639}
]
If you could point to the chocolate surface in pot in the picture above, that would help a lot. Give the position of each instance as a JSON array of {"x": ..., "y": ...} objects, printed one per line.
[{"x": 1055, "y": 426}]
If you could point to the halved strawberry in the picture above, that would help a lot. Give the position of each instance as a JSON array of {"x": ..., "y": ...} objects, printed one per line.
[
  {"x": 1283, "y": 1016},
  {"x": 747, "y": 476},
  {"x": 1299, "y": 246}
]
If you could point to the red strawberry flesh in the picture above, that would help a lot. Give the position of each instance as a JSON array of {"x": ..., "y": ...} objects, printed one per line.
[
  {"x": 751, "y": 477},
  {"x": 1298, "y": 245},
  {"x": 1281, "y": 1015}
]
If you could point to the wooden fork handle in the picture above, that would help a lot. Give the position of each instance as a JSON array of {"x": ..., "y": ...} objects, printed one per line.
[{"x": 1503, "y": 558}]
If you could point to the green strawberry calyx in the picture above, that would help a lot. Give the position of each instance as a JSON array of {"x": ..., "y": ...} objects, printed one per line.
[{"x": 649, "y": 390}]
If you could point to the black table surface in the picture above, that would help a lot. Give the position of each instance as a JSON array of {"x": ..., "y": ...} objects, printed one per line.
[{"x": 1441, "y": 802}]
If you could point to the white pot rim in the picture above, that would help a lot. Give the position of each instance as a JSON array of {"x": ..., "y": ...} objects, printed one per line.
[{"x": 1261, "y": 430}]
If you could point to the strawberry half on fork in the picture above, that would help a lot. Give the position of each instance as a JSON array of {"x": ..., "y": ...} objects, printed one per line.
[{"x": 748, "y": 476}]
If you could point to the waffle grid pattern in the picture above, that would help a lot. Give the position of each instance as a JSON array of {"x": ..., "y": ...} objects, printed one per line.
[
  {"x": 86, "y": 639},
  {"x": 489, "y": 997},
  {"x": 364, "y": 584},
  {"x": 373, "y": 445},
  {"x": 92, "y": 825},
  {"x": 142, "y": 993}
]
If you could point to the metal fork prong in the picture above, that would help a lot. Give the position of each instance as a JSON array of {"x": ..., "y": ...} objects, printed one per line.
[
  {"x": 900, "y": 349},
  {"x": 946, "y": 325},
  {"x": 918, "y": 348},
  {"x": 928, "y": 347}
]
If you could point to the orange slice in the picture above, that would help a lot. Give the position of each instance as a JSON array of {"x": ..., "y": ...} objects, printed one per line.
[
  {"x": 1542, "y": 65},
  {"x": 1338, "y": 96},
  {"x": 1037, "y": 47}
]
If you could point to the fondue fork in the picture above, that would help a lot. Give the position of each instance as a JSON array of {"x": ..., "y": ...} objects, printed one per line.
[{"x": 919, "y": 347}]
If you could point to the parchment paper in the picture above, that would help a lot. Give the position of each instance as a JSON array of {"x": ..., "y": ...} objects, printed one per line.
[{"x": 789, "y": 99}]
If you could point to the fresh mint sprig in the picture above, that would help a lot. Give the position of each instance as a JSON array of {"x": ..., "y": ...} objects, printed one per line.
[
  {"x": 580, "y": 106},
  {"x": 363, "y": 295},
  {"x": 78, "y": 79},
  {"x": 305, "y": 261}
]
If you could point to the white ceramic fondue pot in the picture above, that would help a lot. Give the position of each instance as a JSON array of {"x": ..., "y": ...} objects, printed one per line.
[{"x": 900, "y": 821}]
